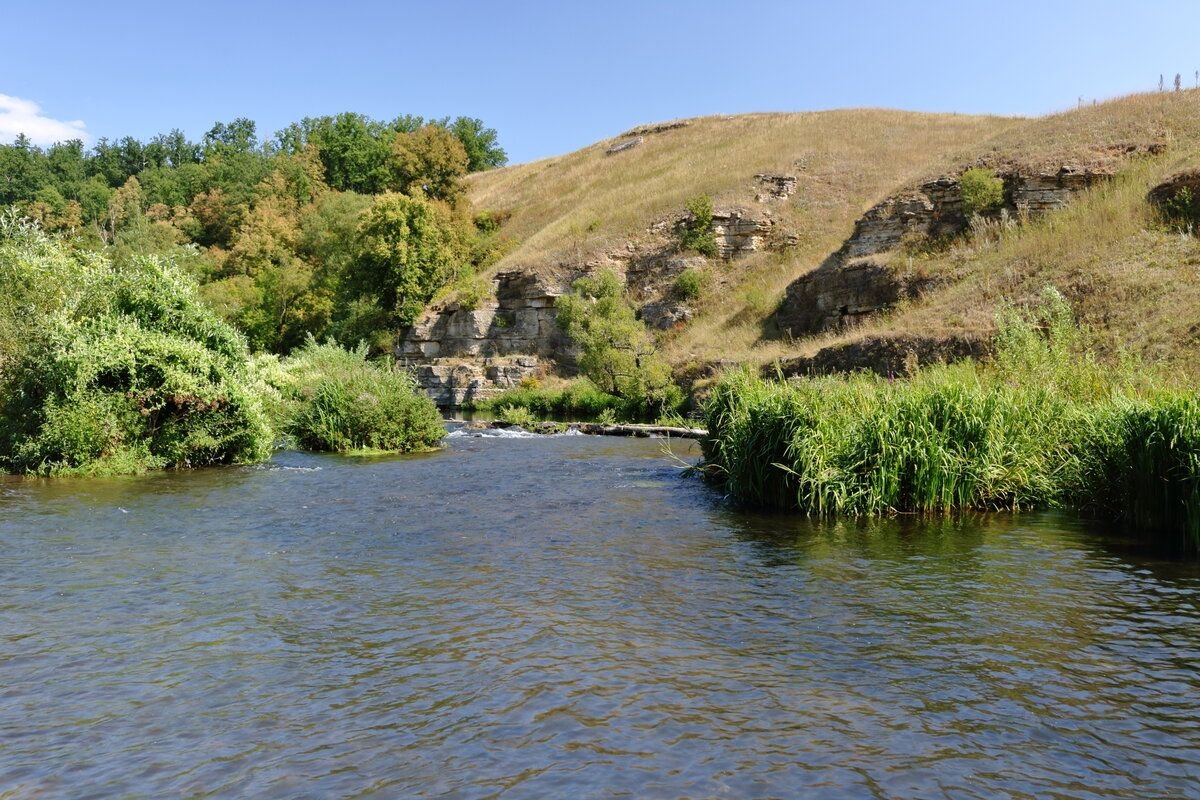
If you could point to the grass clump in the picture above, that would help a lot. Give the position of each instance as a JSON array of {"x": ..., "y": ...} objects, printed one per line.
[
  {"x": 111, "y": 369},
  {"x": 1044, "y": 425},
  {"x": 334, "y": 399}
]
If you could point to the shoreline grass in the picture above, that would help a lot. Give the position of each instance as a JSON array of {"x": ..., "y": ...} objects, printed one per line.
[{"x": 1045, "y": 425}]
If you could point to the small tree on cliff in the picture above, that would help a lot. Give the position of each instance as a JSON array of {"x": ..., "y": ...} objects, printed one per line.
[
  {"x": 982, "y": 191},
  {"x": 616, "y": 350}
]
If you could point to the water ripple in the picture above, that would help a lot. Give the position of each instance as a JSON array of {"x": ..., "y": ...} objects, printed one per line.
[{"x": 567, "y": 617}]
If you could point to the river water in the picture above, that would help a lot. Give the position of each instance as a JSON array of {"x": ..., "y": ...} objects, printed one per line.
[{"x": 569, "y": 617}]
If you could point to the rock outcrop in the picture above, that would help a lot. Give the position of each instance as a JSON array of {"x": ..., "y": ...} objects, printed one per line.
[
  {"x": 452, "y": 383},
  {"x": 850, "y": 285},
  {"x": 888, "y": 356},
  {"x": 461, "y": 354},
  {"x": 517, "y": 319},
  {"x": 839, "y": 295}
]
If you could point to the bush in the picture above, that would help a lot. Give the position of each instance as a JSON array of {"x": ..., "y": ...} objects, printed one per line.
[
  {"x": 1181, "y": 211},
  {"x": 579, "y": 400},
  {"x": 616, "y": 351},
  {"x": 117, "y": 369},
  {"x": 982, "y": 191},
  {"x": 690, "y": 284},
  {"x": 696, "y": 233},
  {"x": 336, "y": 400}
]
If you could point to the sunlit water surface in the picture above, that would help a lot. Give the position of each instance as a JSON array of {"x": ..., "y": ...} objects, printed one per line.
[{"x": 568, "y": 617}]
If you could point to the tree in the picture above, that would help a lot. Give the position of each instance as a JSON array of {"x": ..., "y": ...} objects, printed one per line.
[
  {"x": 480, "y": 142},
  {"x": 408, "y": 249},
  {"x": 238, "y": 136},
  {"x": 616, "y": 351},
  {"x": 429, "y": 162}
]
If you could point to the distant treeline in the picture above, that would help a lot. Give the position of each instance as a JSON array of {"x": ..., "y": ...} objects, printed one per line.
[{"x": 338, "y": 225}]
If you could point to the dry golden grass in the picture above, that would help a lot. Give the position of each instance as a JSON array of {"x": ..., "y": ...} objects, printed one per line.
[
  {"x": 1128, "y": 278},
  {"x": 574, "y": 206}
]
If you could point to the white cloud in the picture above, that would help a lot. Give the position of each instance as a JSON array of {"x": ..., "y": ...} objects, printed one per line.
[{"x": 25, "y": 116}]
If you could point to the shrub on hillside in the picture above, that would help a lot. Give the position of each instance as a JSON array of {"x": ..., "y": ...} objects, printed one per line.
[
  {"x": 616, "y": 351},
  {"x": 982, "y": 191},
  {"x": 696, "y": 233},
  {"x": 1181, "y": 211},
  {"x": 690, "y": 284},
  {"x": 115, "y": 369}
]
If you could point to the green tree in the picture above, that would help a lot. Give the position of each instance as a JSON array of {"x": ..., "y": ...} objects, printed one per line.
[
  {"x": 408, "y": 249},
  {"x": 480, "y": 142},
  {"x": 429, "y": 162},
  {"x": 615, "y": 349}
]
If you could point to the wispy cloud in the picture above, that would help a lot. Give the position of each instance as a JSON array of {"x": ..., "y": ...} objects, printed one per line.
[{"x": 25, "y": 116}]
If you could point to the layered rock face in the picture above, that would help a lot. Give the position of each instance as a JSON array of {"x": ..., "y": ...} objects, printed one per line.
[
  {"x": 462, "y": 354},
  {"x": 519, "y": 318},
  {"x": 850, "y": 286}
]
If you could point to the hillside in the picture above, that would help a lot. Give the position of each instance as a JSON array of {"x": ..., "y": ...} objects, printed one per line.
[{"x": 864, "y": 200}]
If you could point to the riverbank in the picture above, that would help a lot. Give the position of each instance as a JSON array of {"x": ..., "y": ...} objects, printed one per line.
[
  {"x": 588, "y": 428},
  {"x": 1044, "y": 425}
]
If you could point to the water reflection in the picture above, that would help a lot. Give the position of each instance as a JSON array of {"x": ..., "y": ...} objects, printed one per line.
[{"x": 567, "y": 617}]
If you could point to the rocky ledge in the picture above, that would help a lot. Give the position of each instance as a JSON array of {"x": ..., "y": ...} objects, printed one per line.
[{"x": 850, "y": 286}]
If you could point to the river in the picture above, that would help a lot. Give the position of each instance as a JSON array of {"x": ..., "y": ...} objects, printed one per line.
[{"x": 569, "y": 617}]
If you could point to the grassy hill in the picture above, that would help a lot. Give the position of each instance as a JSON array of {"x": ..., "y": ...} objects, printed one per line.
[{"x": 1127, "y": 275}]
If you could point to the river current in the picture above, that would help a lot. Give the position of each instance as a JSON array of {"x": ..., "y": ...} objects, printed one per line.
[{"x": 569, "y": 617}]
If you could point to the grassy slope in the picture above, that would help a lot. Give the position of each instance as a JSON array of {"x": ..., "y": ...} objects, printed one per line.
[
  {"x": 565, "y": 210},
  {"x": 1136, "y": 284},
  {"x": 1134, "y": 281}
]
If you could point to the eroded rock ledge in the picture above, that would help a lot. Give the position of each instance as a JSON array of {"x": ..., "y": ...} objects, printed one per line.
[{"x": 851, "y": 285}]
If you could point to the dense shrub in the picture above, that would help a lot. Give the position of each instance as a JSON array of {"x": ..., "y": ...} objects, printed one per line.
[
  {"x": 335, "y": 399},
  {"x": 615, "y": 350},
  {"x": 696, "y": 233},
  {"x": 115, "y": 369},
  {"x": 982, "y": 191},
  {"x": 690, "y": 284}
]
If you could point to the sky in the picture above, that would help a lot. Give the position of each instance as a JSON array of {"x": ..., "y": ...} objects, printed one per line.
[{"x": 555, "y": 76}]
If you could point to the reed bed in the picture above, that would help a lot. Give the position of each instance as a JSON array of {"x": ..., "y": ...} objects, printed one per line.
[{"x": 1043, "y": 425}]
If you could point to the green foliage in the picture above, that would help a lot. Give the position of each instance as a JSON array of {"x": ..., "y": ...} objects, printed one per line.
[
  {"x": 408, "y": 249},
  {"x": 429, "y": 162},
  {"x": 1182, "y": 210},
  {"x": 696, "y": 232},
  {"x": 579, "y": 400},
  {"x": 480, "y": 142},
  {"x": 335, "y": 399},
  {"x": 277, "y": 223},
  {"x": 116, "y": 369},
  {"x": 982, "y": 191},
  {"x": 690, "y": 284},
  {"x": 615, "y": 349},
  {"x": 518, "y": 415},
  {"x": 1044, "y": 426}
]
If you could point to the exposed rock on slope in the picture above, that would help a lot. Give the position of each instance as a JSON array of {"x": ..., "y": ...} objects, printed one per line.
[{"x": 849, "y": 286}]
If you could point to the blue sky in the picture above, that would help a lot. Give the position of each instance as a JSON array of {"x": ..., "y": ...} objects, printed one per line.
[{"x": 552, "y": 77}]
